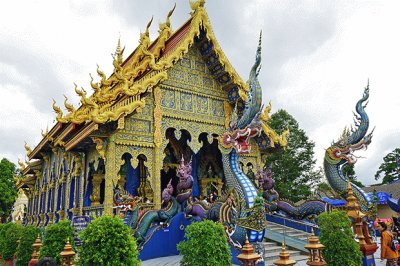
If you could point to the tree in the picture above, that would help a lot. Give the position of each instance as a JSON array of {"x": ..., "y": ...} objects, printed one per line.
[
  {"x": 337, "y": 236},
  {"x": 205, "y": 244},
  {"x": 294, "y": 167},
  {"x": 8, "y": 191},
  {"x": 108, "y": 241},
  {"x": 390, "y": 168},
  {"x": 348, "y": 171}
]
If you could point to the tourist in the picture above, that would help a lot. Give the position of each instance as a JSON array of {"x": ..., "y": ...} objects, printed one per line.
[{"x": 386, "y": 250}]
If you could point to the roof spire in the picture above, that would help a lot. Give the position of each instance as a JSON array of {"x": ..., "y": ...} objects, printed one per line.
[{"x": 119, "y": 51}]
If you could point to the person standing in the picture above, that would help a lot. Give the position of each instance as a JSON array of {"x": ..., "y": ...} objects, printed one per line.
[{"x": 386, "y": 250}]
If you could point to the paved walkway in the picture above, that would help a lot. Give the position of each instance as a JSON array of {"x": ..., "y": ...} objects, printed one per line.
[{"x": 174, "y": 260}]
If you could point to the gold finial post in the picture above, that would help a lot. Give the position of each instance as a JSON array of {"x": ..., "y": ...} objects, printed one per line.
[
  {"x": 315, "y": 248},
  {"x": 36, "y": 251},
  {"x": 248, "y": 257},
  {"x": 284, "y": 259},
  {"x": 67, "y": 254}
]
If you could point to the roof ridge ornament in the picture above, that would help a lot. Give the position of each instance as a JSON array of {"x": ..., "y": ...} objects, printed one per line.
[{"x": 196, "y": 5}]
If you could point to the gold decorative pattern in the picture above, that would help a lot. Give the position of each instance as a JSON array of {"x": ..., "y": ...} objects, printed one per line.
[
  {"x": 271, "y": 134},
  {"x": 111, "y": 175},
  {"x": 101, "y": 146},
  {"x": 157, "y": 117}
]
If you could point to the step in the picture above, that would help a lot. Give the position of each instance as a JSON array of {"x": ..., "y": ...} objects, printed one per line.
[
  {"x": 275, "y": 255},
  {"x": 297, "y": 234},
  {"x": 272, "y": 249},
  {"x": 269, "y": 244},
  {"x": 297, "y": 258}
]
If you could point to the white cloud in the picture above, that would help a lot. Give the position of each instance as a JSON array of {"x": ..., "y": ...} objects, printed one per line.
[{"x": 317, "y": 57}]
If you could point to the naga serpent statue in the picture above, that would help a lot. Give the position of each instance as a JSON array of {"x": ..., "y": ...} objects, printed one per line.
[
  {"x": 140, "y": 216},
  {"x": 236, "y": 141},
  {"x": 341, "y": 153},
  {"x": 273, "y": 203}
]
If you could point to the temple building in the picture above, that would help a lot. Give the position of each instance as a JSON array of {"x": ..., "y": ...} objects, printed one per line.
[{"x": 171, "y": 98}]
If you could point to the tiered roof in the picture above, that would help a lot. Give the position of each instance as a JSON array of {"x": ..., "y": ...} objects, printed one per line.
[{"x": 122, "y": 93}]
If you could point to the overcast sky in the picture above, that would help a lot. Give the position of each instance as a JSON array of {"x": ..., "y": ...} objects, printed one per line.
[{"x": 317, "y": 58}]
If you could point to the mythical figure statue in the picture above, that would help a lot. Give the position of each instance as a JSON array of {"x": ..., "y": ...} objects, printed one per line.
[
  {"x": 341, "y": 152},
  {"x": 267, "y": 184},
  {"x": 185, "y": 184}
]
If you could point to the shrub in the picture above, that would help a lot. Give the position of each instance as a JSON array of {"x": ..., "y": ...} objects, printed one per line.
[
  {"x": 108, "y": 241},
  {"x": 337, "y": 236},
  {"x": 11, "y": 235},
  {"x": 205, "y": 244},
  {"x": 55, "y": 237},
  {"x": 1, "y": 239},
  {"x": 24, "y": 251}
]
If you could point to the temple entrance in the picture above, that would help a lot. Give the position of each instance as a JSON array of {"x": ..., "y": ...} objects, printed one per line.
[
  {"x": 173, "y": 152},
  {"x": 210, "y": 169},
  {"x": 135, "y": 180}
]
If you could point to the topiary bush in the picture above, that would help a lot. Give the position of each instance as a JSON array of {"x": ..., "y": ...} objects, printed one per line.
[
  {"x": 55, "y": 237},
  {"x": 337, "y": 236},
  {"x": 24, "y": 250},
  {"x": 205, "y": 244},
  {"x": 11, "y": 234},
  {"x": 108, "y": 241}
]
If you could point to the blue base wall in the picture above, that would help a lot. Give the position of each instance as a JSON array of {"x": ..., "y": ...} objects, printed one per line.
[{"x": 163, "y": 242}]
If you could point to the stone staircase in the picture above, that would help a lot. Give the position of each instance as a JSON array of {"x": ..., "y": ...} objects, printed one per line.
[{"x": 295, "y": 241}]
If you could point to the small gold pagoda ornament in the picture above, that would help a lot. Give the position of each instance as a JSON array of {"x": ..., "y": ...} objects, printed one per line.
[
  {"x": 248, "y": 257},
  {"x": 284, "y": 259},
  {"x": 67, "y": 254},
  {"x": 315, "y": 251},
  {"x": 36, "y": 251},
  {"x": 360, "y": 224}
]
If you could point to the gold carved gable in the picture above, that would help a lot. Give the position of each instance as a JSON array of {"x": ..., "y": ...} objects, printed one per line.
[{"x": 192, "y": 93}]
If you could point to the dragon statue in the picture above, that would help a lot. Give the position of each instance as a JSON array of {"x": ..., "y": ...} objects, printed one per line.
[{"x": 341, "y": 153}]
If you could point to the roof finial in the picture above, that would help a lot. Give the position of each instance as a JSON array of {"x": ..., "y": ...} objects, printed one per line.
[
  {"x": 148, "y": 25},
  {"x": 168, "y": 22}
]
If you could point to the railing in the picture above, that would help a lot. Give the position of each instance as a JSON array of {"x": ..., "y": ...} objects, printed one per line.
[
  {"x": 299, "y": 225},
  {"x": 93, "y": 211}
]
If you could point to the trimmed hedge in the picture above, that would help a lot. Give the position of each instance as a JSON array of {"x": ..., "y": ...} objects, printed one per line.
[
  {"x": 336, "y": 234},
  {"x": 10, "y": 235},
  {"x": 24, "y": 251},
  {"x": 108, "y": 241},
  {"x": 55, "y": 237},
  {"x": 205, "y": 244}
]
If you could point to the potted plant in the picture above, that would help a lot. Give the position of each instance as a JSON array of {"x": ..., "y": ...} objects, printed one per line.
[
  {"x": 108, "y": 241},
  {"x": 205, "y": 244}
]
